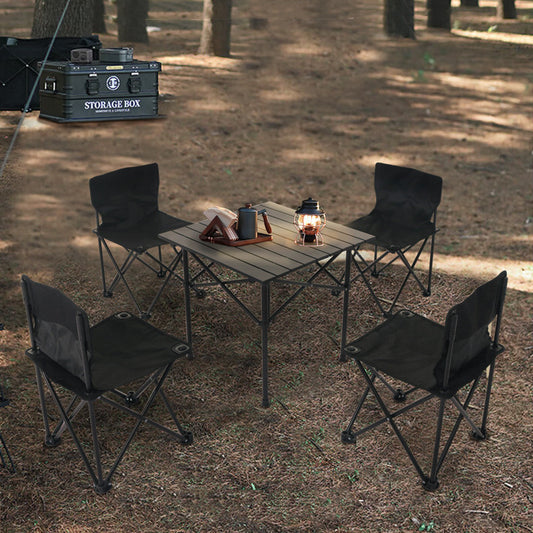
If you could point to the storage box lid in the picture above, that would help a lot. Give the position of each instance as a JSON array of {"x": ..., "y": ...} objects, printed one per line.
[{"x": 100, "y": 67}]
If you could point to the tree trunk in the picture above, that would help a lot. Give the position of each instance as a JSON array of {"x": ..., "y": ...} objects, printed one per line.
[
  {"x": 439, "y": 14},
  {"x": 216, "y": 28},
  {"x": 99, "y": 17},
  {"x": 469, "y": 3},
  {"x": 506, "y": 9},
  {"x": 131, "y": 19},
  {"x": 399, "y": 18},
  {"x": 78, "y": 21}
]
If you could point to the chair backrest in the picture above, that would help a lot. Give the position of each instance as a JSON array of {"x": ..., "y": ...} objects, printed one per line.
[
  {"x": 468, "y": 346},
  {"x": 58, "y": 328},
  {"x": 125, "y": 196},
  {"x": 406, "y": 195}
]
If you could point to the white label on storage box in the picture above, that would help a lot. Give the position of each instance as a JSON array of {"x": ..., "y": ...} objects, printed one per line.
[{"x": 111, "y": 106}]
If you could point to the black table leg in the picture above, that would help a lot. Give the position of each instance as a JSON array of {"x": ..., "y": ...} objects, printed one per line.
[
  {"x": 265, "y": 321},
  {"x": 347, "y": 268},
  {"x": 187, "y": 297}
]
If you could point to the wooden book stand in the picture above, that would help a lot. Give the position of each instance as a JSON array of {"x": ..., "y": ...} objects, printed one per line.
[{"x": 219, "y": 233}]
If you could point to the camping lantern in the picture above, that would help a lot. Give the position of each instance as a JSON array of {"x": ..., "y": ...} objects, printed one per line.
[{"x": 309, "y": 219}]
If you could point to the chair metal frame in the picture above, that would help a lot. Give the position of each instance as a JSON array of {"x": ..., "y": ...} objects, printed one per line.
[
  {"x": 447, "y": 394},
  {"x": 164, "y": 271},
  {"x": 101, "y": 481},
  {"x": 400, "y": 254}
]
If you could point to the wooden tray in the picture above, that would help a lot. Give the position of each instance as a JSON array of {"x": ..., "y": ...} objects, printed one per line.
[{"x": 261, "y": 237}]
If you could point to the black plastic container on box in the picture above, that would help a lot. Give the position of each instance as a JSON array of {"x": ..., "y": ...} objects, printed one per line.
[
  {"x": 116, "y": 55},
  {"x": 75, "y": 92}
]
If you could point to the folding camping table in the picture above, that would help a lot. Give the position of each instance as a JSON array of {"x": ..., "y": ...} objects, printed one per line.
[{"x": 267, "y": 263}]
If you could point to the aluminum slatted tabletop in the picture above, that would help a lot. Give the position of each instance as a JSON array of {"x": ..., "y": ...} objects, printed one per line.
[{"x": 269, "y": 262}]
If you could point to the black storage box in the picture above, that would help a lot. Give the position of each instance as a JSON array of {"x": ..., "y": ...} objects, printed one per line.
[
  {"x": 19, "y": 70},
  {"x": 75, "y": 92}
]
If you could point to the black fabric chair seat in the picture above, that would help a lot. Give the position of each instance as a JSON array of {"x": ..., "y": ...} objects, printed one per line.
[
  {"x": 142, "y": 235},
  {"x": 126, "y": 348},
  {"x": 412, "y": 339},
  {"x": 392, "y": 236}
]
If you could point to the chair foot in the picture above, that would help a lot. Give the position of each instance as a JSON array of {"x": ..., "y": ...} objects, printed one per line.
[
  {"x": 187, "y": 438},
  {"x": 145, "y": 315},
  {"x": 102, "y": 487},
  {"x": 426, "y": 293},
  {"x": 478, "y": 436},
  {"x": 347, "y": 437},
  {"x": 335, "y": 292},
  {"x": 108, "y": 294},
  {"x": 131, "y": 399},
  {"x": 52, "y": 441},
  {"x": 429, "y": 485},
  {"x": 399, "y": 396},
  {"x": 200, "y": 293},
  {"x": 161, "y": 274}
]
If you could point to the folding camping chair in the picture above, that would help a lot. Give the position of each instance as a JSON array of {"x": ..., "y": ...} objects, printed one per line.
[
  {"x": 404, "y": 217},
  {"x": 5, "y": 456},
  {"x": 91, "y": 363},
  {"x": 444, "y": 361},
  {"x": 127, "y": 214}
]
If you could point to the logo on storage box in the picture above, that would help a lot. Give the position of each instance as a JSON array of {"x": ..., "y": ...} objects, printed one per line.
[
  {"x": 112, "y": 83},
  {"x": 122, "y": 105}
]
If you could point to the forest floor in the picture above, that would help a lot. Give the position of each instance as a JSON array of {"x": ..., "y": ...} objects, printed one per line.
[{"x": 313, "y": 95}]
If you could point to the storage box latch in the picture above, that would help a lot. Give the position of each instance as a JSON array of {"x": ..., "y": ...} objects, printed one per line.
[
  {"x": 134, "y": 83},
  {"x": 50, "y": 84},
  {"x": 92, "y": 85}
]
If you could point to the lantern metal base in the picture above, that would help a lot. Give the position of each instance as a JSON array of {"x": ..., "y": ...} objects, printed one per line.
[{"x": 309, "y": 240}]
